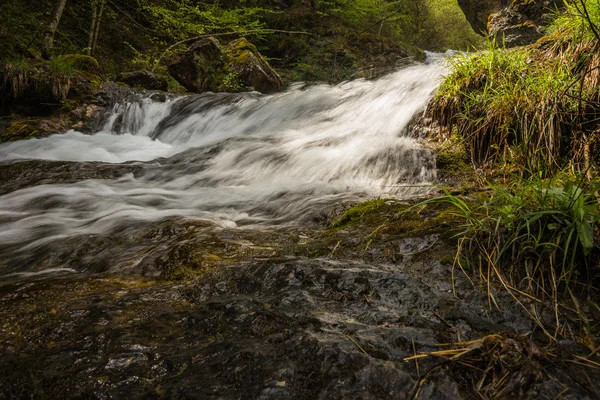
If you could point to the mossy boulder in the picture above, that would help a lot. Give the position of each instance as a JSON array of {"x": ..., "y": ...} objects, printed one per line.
[
  {"x": 208, "y": 66},
  {"x": 517, "y": 22},
  {"x": 82, "y": 62},
  {"x": 144, "y": 80},
  {"x": 200, "y": 67},
  {"x": 245, "y": 62}
]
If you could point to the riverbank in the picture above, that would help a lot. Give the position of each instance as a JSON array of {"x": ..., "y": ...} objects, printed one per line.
[{"x": 299, "y": 312}]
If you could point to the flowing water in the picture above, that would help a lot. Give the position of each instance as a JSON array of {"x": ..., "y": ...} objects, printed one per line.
[
  {"x": 180, "y": 253},
  {"x": 230, "y": 160}
]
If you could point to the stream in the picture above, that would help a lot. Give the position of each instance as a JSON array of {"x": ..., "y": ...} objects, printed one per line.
[
  {"x": 186, "y": 251},
  {"x": 231, "y": 160}
]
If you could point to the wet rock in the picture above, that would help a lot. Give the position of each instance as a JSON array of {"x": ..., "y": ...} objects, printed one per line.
[
  {"x": 144, "y": 80},
  {"x": 110, "y": 93},
  {"x": 38, "y": 172},
  {"x": 251, "y": 68},
  {"x": 255, "y": 326},
  {"x": 85, "y": 117},
  {"x": 197, "y": 69},
  {"x": 26, "y": 128},
  {"x": 158, "y": 97}
]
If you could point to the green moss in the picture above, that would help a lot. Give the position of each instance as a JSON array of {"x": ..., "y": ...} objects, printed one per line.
[
  {"x": 231, "y": 83},
  {"x": 447, "y": 260},
  {"x": 174, "y": 86},
  {"x": 19, "y": 130},
  {"x": 241, "y": 45},
  {"x": 188, "y": 268},
  {"x": 184, "y": 272},
  {"x": 452, "y": 156},
  {"x": 357, "y": 212},
  {"x": 82, "y": 62}
]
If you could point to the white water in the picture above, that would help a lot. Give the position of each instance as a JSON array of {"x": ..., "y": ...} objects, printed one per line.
[{"x": 229, "y": 159}]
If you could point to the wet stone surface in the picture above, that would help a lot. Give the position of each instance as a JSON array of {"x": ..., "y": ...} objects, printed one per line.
[{"x": 292, "y": 313}]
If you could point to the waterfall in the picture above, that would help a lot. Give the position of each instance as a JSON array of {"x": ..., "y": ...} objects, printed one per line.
[{"x": 231, "y": 159}]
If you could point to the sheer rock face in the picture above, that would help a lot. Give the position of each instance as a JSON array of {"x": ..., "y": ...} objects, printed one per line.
[
  {"x": 208, "y": 66},
  {"x": 515, "y": 23}
]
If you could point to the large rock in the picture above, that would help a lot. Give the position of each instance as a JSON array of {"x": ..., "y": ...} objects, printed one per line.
[
  {"x": 522, "y": 22},
  {"x": 144, "y": 80},
  {"x": 208, "y": 66},
  {"x": 251, "y": 68},
  {"x": 199, "y": 67},
  {"x": 477, "y": 12},
  {"x": 516, "y": 22},
  {"x": 511, "y": 28}
]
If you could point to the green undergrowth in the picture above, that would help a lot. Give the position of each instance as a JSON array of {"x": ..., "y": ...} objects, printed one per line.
[
  {"x": 537, "y": 107},
  {"x": 528, "y": 119},
  {"x": 536, "y": 238},
  {"x": 41, "y": 80}
]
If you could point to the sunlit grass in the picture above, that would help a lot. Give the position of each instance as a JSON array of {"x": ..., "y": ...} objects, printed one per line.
[{"x": 537, "y": 106}]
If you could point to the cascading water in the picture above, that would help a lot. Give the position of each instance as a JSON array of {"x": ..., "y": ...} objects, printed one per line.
[{"x": 226, "y": 159}]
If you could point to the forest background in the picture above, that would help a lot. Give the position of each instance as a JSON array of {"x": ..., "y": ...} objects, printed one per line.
[{"x": 309, "y": 40}]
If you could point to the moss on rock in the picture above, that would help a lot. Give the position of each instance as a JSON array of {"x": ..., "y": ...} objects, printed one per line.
[{"x": 357, "y": 212}]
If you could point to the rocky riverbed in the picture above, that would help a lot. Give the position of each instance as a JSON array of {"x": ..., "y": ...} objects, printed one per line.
[
  {"x": 325, "y": 310},
  {"x": 242, "y": 246}
]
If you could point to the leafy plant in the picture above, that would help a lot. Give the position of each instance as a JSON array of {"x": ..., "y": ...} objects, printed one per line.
[
  {"x": 537, "y": 238},
  {"x": 14, "y": 77}
]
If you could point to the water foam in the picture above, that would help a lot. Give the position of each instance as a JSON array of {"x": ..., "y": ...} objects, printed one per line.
[{"x": 233, "y": 159}]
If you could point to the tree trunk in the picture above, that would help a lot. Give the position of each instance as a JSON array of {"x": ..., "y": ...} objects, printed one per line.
[
  {"x": 51, "y": 28},
  {"x": 97, "y": 27},
  {"x": 88, "y": 51}
]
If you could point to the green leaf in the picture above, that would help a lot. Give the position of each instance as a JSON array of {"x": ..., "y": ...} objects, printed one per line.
[{"x": 586, "y": 236}]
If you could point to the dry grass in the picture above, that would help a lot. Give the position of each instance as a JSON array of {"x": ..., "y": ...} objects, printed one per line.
[
  {"x": 23, "y": 78},
  {"x": 502, "y": 366}
]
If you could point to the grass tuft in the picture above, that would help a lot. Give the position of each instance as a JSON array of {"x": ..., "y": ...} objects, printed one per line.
[
  {"x": 32, "y": 79},
  {"x": 538, "y": 239},
  {"x": 536, "y": 106}
]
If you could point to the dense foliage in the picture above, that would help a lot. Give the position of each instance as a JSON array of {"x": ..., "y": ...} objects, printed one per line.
[{"x": 343, "y": 36}]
